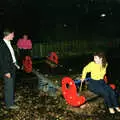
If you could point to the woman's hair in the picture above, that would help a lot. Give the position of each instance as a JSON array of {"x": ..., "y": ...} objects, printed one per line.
[{"x": 101, "y": 55}]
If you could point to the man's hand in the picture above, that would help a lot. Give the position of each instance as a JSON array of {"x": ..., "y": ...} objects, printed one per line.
[
  {"x": 7, "y": 75},
  {"x": 17, "y": 66}
]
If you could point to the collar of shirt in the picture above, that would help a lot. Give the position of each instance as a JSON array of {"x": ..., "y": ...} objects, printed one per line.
[{"x": 7, "y": 41}]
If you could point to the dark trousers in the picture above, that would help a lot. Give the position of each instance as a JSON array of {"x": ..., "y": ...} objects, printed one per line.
[
  {"x": 9, "y": 86},
  {"x": 101, "y": 88}
]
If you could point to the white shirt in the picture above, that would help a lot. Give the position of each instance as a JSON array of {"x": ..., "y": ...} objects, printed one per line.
[{"x": 8, "y": 43}]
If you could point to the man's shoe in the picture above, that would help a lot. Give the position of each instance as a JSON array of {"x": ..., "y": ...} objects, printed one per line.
[
  {"x": 112, "y": 111},
  {"x": 14, "y": 107},
  {"x": 117, "y": 109}
]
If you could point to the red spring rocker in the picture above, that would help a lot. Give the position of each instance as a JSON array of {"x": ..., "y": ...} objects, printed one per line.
[
  {"x": 111, "y": 85},
  {"x": 27, "y": 64},
  {"x": 70, "y": 93},
  {"x": 53, "y": 57}
]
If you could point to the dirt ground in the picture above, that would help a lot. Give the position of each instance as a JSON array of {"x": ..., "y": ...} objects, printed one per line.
[{"x": 37, "y": 105}]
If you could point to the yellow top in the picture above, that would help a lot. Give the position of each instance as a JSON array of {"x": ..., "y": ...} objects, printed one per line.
[{"x": 96, "y": 70}]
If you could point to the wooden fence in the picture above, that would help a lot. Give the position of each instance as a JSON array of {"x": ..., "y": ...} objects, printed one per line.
[
  {"x": 73, "y": 47},
  {"x": 68, "y": 48}
]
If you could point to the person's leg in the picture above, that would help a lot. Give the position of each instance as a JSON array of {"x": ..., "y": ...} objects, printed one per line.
[
  {"x": 98, "y": 88},
  {"x": 29, "y": 52},
  {"x": 8, "y": 92},
  {"x": 113, "y": 97},
  {"x": 101, "y": 88},
  {"x": 13, "y": 74},
  {"x": 25, "y": 52}
]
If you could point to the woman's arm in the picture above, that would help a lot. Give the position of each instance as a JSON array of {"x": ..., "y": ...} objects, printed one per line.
[{"x": 85, "y": 70}]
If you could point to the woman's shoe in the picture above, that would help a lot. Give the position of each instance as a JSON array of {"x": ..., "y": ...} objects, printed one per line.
[
  {"x": 112, "y": 111},
  {"x": 117, "y": 109}
]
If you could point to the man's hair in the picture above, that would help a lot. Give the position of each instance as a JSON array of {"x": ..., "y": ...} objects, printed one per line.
[{"x": 7, "y": 32}]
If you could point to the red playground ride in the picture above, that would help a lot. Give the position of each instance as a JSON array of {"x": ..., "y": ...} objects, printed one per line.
[
  {"x": 70, "y": 94},
  {"x": 53, "y": 57},
  {"x": 27, "y": 64}
]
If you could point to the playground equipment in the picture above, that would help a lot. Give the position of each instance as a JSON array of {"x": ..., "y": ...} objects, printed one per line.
[
  {"x": 69, "y": 91},
  {"x": 27, "y": 64},
  {"x": 78, "y": 81},
  {"x": 53, "y": 61},
  {"x": 53, "y": 57},
  {"x": 45, "y": 84}
]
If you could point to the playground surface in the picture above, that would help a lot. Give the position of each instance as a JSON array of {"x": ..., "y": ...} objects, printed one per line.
[{"x": 38, "y": 105}]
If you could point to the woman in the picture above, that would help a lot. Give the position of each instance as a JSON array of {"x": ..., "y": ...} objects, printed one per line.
[
  {"x": 97, "y": 68},
  {"x": 25, "y": 46}
]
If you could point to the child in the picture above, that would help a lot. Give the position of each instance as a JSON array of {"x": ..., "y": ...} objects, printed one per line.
[{"x": 97, "y": 68}]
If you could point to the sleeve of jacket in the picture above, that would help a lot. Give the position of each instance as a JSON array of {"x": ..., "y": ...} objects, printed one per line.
[{"x": 4, "y": 60}]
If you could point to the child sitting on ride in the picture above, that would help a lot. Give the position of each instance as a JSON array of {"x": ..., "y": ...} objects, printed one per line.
[{"x": 97, "y": 84}]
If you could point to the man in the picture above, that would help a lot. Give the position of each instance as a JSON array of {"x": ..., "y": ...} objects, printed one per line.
[{"x": 7, "y": 67}]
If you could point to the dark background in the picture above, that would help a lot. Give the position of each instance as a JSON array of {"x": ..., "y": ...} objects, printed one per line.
[{"x": 40, "y": 18}]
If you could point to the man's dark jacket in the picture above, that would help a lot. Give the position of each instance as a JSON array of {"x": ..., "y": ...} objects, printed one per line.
[{"x": 6, "y": 62}]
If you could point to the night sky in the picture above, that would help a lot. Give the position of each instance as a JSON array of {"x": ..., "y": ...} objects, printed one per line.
[{"x": 38, "y": 17}]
